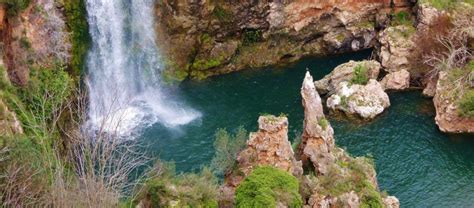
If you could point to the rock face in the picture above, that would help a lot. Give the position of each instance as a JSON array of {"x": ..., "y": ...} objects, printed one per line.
[
  {"x": 317, "y": 140},
  {"x": 344, "y": 73},
  {"x": 395, "y": 47},
  {"x": 398, "y": 80},
  {"x": 270, "y": 146},
  {"x": 278, "y": 31},
  {"x": 447, "y": 113},
  {"x": 366, "y": 101},
  {"x": 36, "y": 37}
]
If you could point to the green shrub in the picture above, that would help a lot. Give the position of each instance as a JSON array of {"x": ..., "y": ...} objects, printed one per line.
[
  {"x": 251, "y": 36},
  {"x": 466, "y": 104},
  {"x": 360, "y": 75},
  {"x": 15, "y": 6},
  {"x": 163, "y": 187},
  {"x": 323, "y": 122},
  {"x": 266, "y": 186},
  {"x": 222, "y": 14},
  {"x": 401, "y": 18},
  {"x": 227, "y": 147}
]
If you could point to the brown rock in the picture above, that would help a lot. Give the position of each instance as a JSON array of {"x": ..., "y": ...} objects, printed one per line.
[
  {"x": 317, "y": 140},
  {"x": 447, "y": 113},
  {"x": 398, "y": 80}
]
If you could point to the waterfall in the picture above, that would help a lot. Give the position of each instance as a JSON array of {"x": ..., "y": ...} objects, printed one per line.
[{"x": 124, "y": 66}]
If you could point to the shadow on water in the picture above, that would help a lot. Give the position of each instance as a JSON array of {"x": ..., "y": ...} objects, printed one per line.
[{"x": 414, "y": 161}]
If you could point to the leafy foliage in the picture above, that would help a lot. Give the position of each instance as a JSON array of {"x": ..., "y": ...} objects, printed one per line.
[
  {"x": 466, "y": 104},
  {"x": 227, "y": 146},
  {"x": 266, "y": 186},
  {"x": 15, "y": 6},
  {"x": 251, "y": 36},
  {"x": 360, "y": 75},
  {"x": 163, "y": 188},
  {"x": 401, "y": 18}
]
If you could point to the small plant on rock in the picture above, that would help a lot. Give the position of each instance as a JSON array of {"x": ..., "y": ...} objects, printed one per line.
[{"x": 360, "y": 75}]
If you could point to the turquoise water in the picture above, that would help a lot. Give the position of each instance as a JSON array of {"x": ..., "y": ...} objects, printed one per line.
[{"x": 414, "y": 161}]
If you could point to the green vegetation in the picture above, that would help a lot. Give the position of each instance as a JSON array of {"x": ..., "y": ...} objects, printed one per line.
[
  {"x": 222, "y": 14},
  {"x": 76, "y": 15},
  {"x": 251, "y": 36},
  {"x": 466, "y": 104},
  {"x": 266, "y": 186},
  {"x": 201, "y": 64},
  {"x": 163, "y": 188},
  {"x": 351, "y": 174},
  {"x": 323, "y": 122},
  {"x": 401, "y": 18},
  {"x": 227, "y": 147},
  {"x": 444, "y": 4},
  {"x": 360, "y": 75},
  {"x": 15, "y": 6}
]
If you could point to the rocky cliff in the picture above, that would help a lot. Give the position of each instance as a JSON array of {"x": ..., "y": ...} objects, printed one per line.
[{"x": 204, "y": 38}]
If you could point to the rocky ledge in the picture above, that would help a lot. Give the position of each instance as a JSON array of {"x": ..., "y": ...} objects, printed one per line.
[{"x": 446, "y": 101}]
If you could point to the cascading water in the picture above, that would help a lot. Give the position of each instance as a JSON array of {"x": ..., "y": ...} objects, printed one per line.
[{"x": 124, "y": 69}]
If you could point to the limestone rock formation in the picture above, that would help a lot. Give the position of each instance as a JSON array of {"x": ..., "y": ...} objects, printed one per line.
[
  {"x": 367, "y": 101},
  {"x": 317, "y": 139},
  {"x": 398, "y": 80},
  {"x": 36, "y": 37},
  {"x": 447, "y": 109},
  {"x": 391, "y": 202},
  {"x": 278, "y": 31},
  {"x": 396, "y": 46},
  {"x": 270, "y": 146},
  {"x": 345, "y": 72},
  {"x": 426, "y": 15}
]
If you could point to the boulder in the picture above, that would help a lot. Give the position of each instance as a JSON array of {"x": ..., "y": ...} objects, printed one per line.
[
  {"x": 345, "y": 72},
  {"x": 391, "y": 202},
  {"x": 447, "y": 109},
  {"x": 398, "y": 80},
  {"x": 426, "y": 14},
  {"x": 396, "y": 45},
  {"x": 318, "y": 136},
  {"x": 366, "y": 101}
]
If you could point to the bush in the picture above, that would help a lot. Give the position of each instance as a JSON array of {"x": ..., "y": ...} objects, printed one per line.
[
  {"x": 360, "y": 75},
  {"x": 227, "y": 147},
  {"x": 323, "y": 122},
  {"x": 426, "y": 44},
  {"x": 266, "y": 186},
  {"x": 163, "y": 187},
  {"x": 251, "y": 36},
  {"x": 401, "y": 18},
  {"x": 466, "y": 104},
  {"x": 15, "y": 6}
]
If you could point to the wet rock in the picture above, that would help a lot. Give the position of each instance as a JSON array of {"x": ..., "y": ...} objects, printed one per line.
[
  {"x": 396, "y": 45},
  {"x": 398, "y": 80},
  {"x": 447, "y": 109},
  {"x": 344, "y": 73},
  {"x": 366, "y": 101},
  {"x": 318, "y": 135}
]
